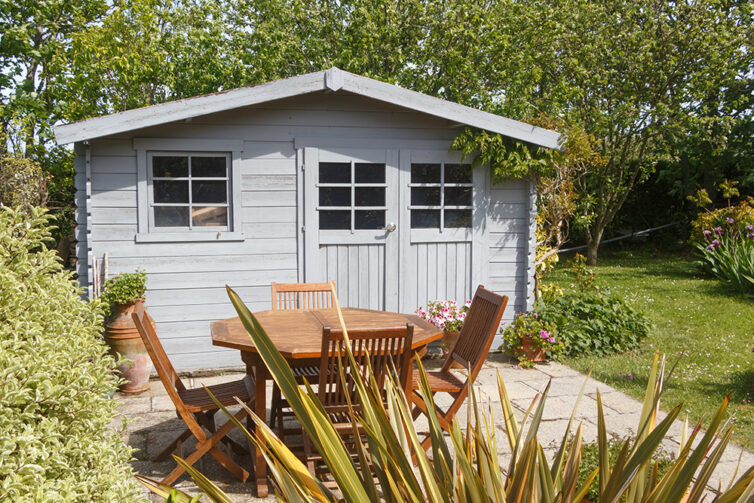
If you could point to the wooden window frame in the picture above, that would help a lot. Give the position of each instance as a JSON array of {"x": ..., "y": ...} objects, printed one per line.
[
  {"x": 442, "y": 206},
  {"x": 145, "y": 148}
]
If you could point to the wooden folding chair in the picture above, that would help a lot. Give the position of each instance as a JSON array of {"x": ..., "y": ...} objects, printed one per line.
[
  {"x": 470, "y": 351},
  {"x": 291, "y": 296},
  {"x": 196, "y": 408},
  {"x": 381, "y": 346}
]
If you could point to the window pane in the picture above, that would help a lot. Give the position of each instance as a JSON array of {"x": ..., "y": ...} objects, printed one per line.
[
  {"x": 171, "y": 216},
  {"x": 168, "y": 191},
  {"x": 458, "y": 173},
  {"x": 208, "y": 166},
  {"x": 425, "y": 196},
  {"x": 425, "y": 219},
  {"x": 425, "y": 173},
  {"x": 370, "y": 196},
  {"x": 169, "y": 166},
  {"x": 457, "y": 196},
  {"x": 203, "y": 191},
  {"x": 333, "y": 219},
  {"x": 335, "y": 172},
  {"x": 335, "y": 196},
  {"x": 370, "y": 219},
  {"x": 457, "y": 218},
  {"x": 369, "y": 172},
  {"x": 209, "y": 216}
]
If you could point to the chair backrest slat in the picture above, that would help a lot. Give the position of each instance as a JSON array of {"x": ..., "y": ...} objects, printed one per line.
[
  {"x": 286, "y": 296},
  {"x": 168, "y": 375},
  {"x": 373, "y": 351},
  {"x": 478, "y": 331}
]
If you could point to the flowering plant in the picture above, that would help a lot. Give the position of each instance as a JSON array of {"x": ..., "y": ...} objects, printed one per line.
[
  {"x": 124, "y": 288},
  {"x": 445, "y": 314},
  {"x": 529, "y": 326},
  {"x": 724, "y": 240}
]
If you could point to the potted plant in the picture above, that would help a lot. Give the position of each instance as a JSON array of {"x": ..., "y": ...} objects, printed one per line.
[
  {"x": 449, "y": 316},
  {"x": 121, "y": 295},
  {"x": 531, "y": 340}
]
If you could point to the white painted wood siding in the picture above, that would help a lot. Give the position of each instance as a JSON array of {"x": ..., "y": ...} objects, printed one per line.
[{"x": 186, "y": 279}]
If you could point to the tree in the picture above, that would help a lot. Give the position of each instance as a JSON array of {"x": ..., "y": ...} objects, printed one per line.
[{"x": 630, "y": 73}]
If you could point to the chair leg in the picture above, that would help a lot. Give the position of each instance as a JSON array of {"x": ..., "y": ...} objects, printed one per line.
[
  {"x": 275, "y": 409},
  {"x": 165, "y": 454},
  {"x": 308, "y": 456}
]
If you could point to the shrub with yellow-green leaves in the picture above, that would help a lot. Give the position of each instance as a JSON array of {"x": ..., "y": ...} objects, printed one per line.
[{"x": 55, "y": 377}]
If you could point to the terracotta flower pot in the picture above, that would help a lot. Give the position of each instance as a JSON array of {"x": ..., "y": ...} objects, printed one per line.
[
  {"x": 529, "y": 350},
  {"x": 124, "y": 340},
  {"x": 449, "y": 338}
]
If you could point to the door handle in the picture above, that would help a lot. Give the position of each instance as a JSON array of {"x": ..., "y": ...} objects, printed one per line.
[{"x": 389, "y": 227}]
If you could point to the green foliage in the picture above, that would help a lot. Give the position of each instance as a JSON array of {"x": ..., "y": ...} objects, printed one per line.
[
  {"x": 591, "y": 320},
  {"x": 590, "y": 461},
  {"x": 22, "y": 182},
  {"x": 742, "y": 215},
  {"x": 55, "y": 439},
  {"x": 465, "y": 466},
  {"x": 530, "y": 326},
  {"x": 125, "y": 288}
]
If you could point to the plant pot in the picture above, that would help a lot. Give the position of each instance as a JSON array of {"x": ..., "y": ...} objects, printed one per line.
[
  {"x": 449, "y": 338},
  {"x": 529, "y": 350},
  {"x": 124, "y": 340}
]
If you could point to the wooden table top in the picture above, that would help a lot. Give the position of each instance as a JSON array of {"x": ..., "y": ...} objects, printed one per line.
[{"x": 298, "y": 333}]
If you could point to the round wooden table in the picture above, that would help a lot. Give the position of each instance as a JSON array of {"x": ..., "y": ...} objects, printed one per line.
[{"x": 297, "y": 334}]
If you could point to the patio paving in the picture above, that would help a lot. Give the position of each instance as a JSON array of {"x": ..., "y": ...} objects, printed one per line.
[{"x": 152, "y": 422}]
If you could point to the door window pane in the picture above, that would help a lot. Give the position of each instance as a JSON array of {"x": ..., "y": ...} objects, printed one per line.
[
  {"x": 370, "y": 196},
  {"x": 169, "y": 166},
  {"x": 334, "y": 196},
  {"x": 169, "y": 191},
  {"x": 370, "y": 219},
  {"x": 335, "y": 172},
  {"x": 425, "y": 173},
  {"x": 458, "y": 173},
  {"x": 171, "y": 216},
  {"x": 457, "y": 196},
  {"x": 457, "y": 218},
  {"x": 334, "y": 219},
  {"x": 425, "y": 196},
  {"x": 204, "y": 191},
  {"x": 369, "y": 172},
  {"x": 425, "y": 219},
  {"x": 210, "y": 167},
  {"x": 209, "y": 216}
]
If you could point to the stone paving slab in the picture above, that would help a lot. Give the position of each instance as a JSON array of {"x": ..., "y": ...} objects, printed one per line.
[{"x": 152, "y": 422}]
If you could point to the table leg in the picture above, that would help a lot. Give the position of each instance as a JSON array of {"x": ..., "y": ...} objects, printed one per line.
[{"x": 260, "y": 408}]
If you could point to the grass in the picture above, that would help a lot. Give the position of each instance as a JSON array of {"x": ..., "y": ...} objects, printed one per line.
[{"x": 694, "y": 315}]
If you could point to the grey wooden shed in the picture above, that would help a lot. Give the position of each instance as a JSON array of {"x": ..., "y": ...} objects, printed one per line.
[{"x": 327, "y": 175}]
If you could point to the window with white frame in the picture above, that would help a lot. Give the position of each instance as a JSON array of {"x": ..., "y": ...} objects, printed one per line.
[
  {"x": 351, "y": 196},
  {"x": 189, "y": 191},
  {"x": 441, "y": 196}
]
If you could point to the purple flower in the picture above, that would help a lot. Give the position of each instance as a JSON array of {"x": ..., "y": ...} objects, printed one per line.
[
  {"x": 551, "y": 339},
  {"x": 729, "y": 220},
  {"x": 707, "y": 233},
  {"x": 749, "y": 228},
  {"x": 719, "y": 230},
  {"x": 630, "y": 376},
  {"x": 544, "y": 334},
  {"x": 535, "y": 315},
  {"x": 710, "y": 247}
]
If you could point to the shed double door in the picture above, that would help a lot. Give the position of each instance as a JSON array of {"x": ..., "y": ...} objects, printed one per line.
[{"x": 392, "y": 228}]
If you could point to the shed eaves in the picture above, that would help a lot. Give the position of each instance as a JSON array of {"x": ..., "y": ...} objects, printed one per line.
[{"x": 333, "y": 79}]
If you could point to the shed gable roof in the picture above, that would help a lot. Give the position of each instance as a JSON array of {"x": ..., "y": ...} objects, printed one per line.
[{"x": 333, "y": 79}]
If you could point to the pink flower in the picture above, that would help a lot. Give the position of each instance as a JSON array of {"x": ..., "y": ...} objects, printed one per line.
[
  {"x": 544, "y": 334},
  {"x": 535, "y": 315}
]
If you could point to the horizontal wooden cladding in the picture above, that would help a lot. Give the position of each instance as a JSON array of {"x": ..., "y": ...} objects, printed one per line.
[
  {"x": 110, "y": 198},
  {"x": 505, "y": 197},
  {"x": 260, "y": 214},
  {"x": 268, "y": 182},
  {"x": 215, "y": 249},
  {"x": 111, "y": 216},
  {"x": 186, "y": 264},
  {"x": 190, "y": 280},
  {"x": 263, "y": 166},
  {"x": 513, "y": 256},
  {"x": 198, "y": 313},
  {"x": 509, "y": 225},
  {"x": 501, "y": 210},
  {"x": 195, "y": 347},
  {"x": 496, "y": 240},
  {"x": 265, "y": 150},
  {"x": 351, "y": 118},
  {"x": 269, "y": 199},
  {"x": 256, "y": 297}
]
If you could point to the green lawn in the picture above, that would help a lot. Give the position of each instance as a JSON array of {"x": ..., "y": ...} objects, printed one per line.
[{"x": 691, "y": 313}]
